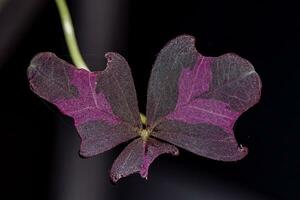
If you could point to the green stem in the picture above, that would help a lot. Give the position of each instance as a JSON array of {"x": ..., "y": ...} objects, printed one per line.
[
  {"x": 143, "y": 119},
  {"x": 69, "y": 34}
]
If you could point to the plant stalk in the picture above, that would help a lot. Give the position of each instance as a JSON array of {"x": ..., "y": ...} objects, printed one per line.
[{"x": 70, "y": 35}]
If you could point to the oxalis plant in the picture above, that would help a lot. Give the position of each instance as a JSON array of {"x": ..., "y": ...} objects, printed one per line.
[{"x": 193, "y": 102}]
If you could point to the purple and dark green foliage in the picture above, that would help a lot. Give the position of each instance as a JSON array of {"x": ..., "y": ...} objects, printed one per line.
[{"x": 193, "y": 102}]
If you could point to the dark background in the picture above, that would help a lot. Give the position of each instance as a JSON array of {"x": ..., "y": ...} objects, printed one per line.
[{"x": 40, "y": 146}]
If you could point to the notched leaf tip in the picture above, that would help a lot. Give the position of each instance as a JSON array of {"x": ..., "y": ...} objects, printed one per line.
[
  {"x": 242, "y": 149},
  {"x": 108, "y": 56},
  {"x": 114, "y": 178},
  {"x": 82, "y": 155}
]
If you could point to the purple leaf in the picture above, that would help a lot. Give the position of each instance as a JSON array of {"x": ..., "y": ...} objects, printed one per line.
[
  {"x": 193, "y": 102},
  {"x": 210, "y": 94},
  {"x": 203, "y": 139},
  {"x": 100, "y": 118},
  {"x": 163, "y": 84},
  {"x": 116, "y": 83},
  {"x": 137, "y": 157}
]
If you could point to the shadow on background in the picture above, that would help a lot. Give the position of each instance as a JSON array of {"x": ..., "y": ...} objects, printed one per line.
[{"x": 40, "y": 145}]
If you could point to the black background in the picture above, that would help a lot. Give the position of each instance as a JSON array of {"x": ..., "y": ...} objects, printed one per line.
[{"x": 34, "y": 135}]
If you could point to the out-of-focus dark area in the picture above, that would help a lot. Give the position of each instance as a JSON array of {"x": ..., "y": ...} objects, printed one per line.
[{"x": 40, "y": 146}]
